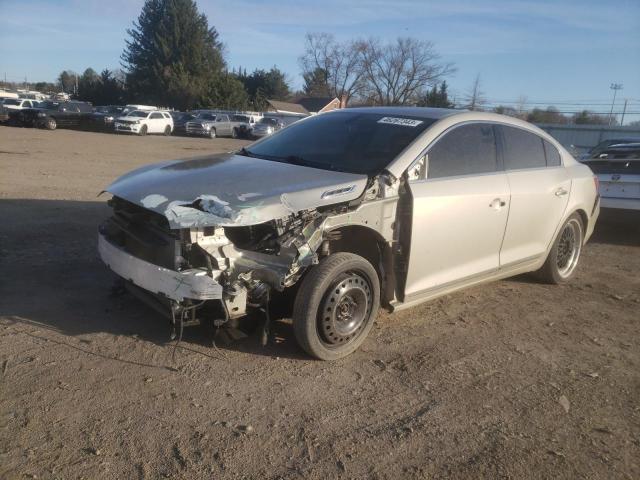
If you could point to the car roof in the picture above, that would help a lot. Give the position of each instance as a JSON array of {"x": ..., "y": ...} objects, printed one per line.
[{"x": 418, "y": 112}]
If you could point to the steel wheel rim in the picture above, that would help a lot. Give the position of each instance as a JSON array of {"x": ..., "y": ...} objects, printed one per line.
[
  {"x": 569, "y": 245},
  {"x": 345, "y": 309}
]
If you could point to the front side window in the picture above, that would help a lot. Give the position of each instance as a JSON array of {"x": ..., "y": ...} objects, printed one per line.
[
  {"x": 466, "y": 150},
  {"x": 354, "y": 142},
  {"x": 155, "y": 116},
  {"x": 522, "y": 149}
]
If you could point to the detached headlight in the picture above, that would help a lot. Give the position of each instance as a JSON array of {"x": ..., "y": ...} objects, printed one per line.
[
  {"x": 207, "y": 126},
  {"x": 269, "y": 129},
  {"x": 42, "y": 114},
  {"x": 137, "y": 122}
]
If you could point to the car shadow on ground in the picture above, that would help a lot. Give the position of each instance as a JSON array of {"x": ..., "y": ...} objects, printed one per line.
[{"x": 53, "y": 278}]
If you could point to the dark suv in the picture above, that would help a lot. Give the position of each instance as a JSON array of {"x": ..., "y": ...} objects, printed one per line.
[{"x": 52, "y": 114}]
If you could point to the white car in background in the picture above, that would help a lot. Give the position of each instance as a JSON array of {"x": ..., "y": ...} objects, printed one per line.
[
  {"x": 618, "y": 170},
  {"x": 142, "y": 122},
  {"x": 19, "y": 103}
]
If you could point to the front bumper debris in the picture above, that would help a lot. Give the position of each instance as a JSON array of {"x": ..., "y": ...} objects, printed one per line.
[{"x": 193, "y": 284}]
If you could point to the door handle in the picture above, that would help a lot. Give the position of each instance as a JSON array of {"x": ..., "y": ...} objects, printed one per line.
[
  {"x": 497, "y": 203},
  {"x": 561, "y": 192}
]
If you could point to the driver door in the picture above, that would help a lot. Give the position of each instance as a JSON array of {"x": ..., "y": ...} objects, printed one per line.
[{"x": 460, "y": 203}]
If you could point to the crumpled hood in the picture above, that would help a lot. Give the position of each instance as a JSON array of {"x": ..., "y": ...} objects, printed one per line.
[{"x": 233, "y": 190}]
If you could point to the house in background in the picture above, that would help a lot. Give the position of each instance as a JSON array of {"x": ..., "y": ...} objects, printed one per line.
[
  {"x": 302, "y": 107},
  {"x": 318, "y": 104}
]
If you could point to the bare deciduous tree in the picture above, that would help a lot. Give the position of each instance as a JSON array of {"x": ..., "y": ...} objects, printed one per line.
[
  {"x": 399, "y": 73},
  {"x": 475, "y": 98},
  {"x": 340, "y": 61}
]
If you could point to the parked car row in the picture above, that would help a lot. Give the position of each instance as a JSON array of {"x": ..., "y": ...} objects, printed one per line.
[{"x": 137, "y": 119}]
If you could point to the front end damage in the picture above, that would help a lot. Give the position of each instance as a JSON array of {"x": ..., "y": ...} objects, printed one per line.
[{"x": 196, "y": 262}]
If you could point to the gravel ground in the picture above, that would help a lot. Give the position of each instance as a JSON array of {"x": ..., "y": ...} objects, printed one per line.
[{"x": 513, "y": 379}]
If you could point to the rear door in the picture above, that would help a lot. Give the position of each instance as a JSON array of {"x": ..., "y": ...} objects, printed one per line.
[
  {"x": 156, "y": 122},
  {"x": 223, "y": 126},
  {"x": 540, "y": 187},
  {"x": 459, "y": 210}
]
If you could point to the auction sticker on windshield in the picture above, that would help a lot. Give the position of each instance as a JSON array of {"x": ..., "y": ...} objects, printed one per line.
[{"x": 405, "y": 122}]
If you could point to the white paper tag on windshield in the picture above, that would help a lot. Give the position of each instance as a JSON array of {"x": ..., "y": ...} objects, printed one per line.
[{"x": 405, "y": 122}]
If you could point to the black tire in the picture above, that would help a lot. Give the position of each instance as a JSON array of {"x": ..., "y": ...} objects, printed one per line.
[
  {"x": 143, "y": 131},
  {"x": 212, "y": 133},
  {"x": 324, "y": 321},
  {"x": 562, "y": 262},
  {"x": 50, "y": 123},
  {"x": 167, "y": 130},
  {"x": 234, "y": 133}
]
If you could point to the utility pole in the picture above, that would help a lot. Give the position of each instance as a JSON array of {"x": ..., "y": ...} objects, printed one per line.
[
  {"x": 615, "y": 87},
  {"x": 624, "y": 110}
]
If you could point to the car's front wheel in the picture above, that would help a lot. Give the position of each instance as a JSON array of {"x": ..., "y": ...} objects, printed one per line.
[
  {"x": 50, "y": 124},
  {"x": 562, "y": 261},
  {"x": 336, "y": 306},
  {"x": 212, "y": 133},
  {"x": 143, "y": 131}
]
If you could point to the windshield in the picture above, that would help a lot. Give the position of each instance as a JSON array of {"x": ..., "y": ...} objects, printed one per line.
[
  {"x": 206, "y": 116},
  {"x": 138, "y": 113},
  {"x": 180, "y": 116},
  {"x": 108, "y": 109},
  {"x": 353, "y": 142},
  {"x": 49, "y": 105},
  {"x": 11, "y": 101}
]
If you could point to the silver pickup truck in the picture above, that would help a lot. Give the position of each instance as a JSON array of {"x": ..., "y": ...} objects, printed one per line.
[{"x": 212, "y": 125}]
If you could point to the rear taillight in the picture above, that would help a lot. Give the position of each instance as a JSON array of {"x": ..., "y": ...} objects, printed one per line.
[{"x": 597, "y": 183}]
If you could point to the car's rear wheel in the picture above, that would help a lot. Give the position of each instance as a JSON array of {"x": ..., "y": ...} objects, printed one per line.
[
  {"x": 336, "y": 306},
  {"x": 212, "y": 133},
  {"x": 562, "y": 261},
  {"x": 143, "y": 131},
  {"x": 50, "y": 124},
  {"x": 167, "y": 130}
]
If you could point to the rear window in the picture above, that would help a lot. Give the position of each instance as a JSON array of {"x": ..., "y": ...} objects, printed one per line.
[
  {"x": 522, "y": 149},
  {"x": 468, "y": 149},
  {"x": 354, "y": 142}
]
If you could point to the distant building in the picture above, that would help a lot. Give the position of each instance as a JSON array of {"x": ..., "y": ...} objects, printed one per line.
[
  {"x": 304, "y": 106},
  {"x": 318, "y": 104},
  {"x": 286, "y": 108}
]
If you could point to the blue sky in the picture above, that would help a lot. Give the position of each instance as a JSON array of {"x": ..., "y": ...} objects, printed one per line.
[{"x": 548, "y": 51}]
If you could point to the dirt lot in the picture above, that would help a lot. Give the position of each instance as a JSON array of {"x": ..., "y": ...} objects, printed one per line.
[{"x": 510, "y": 380}]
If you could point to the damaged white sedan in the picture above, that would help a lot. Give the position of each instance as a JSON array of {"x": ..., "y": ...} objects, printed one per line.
[{"x": 355, "y": 209}]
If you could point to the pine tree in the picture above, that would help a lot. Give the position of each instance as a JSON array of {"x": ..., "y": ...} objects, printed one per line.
[
  {"x": 172, "y": 55},
  {"x": 316, "y": 83}
]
